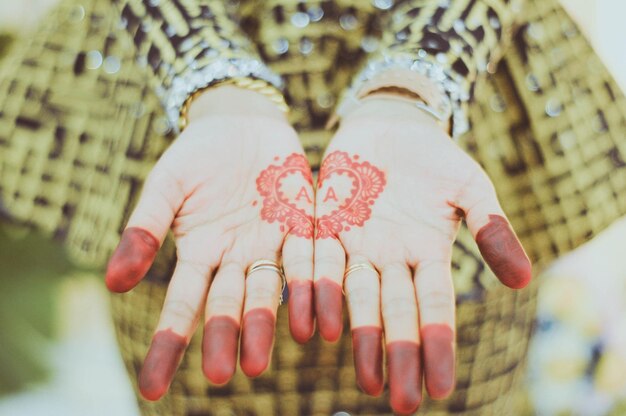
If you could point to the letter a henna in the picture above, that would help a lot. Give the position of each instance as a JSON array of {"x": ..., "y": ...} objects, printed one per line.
[
  {"x": 330, "y": 194},
  {"x": 303, "y": 194},
  {"x": 276, "y": 206},
  {"x": 368, "y": 182}
]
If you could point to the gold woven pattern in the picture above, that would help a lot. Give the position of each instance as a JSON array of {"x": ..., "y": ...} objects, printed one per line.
[
  {"x": 72, "y": 154},
  {"x": 76, "y": 144},
  {"x": 169, "y": 34}
]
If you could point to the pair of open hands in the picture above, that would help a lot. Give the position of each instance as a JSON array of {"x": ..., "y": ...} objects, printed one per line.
[{"x": 392, "y": 190}]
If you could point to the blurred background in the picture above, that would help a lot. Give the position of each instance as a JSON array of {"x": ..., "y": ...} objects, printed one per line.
[{"x": 58, "y": 354}]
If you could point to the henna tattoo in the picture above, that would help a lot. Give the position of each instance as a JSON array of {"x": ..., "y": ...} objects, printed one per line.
[
  {"x": 503, "y": 252},
  {"x": 164, "y": 356},
  {"x": 367, "y": 183},
  {"x": 328, "y": 307},
  {"x": 405, "y": 376},
  {"x": 219, "y": 349},
  {"x": 277, "y": 206},
  {"x": 438, "y": 346},
  {"x": 368, "y": 359},
  {"x": 301, "y": 310},
  {"x": 256, "y": 341},
  {"x": 131, "y": 260}
]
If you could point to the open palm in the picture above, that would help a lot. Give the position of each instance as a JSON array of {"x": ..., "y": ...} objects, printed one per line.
[
  {"x": 392, "y": 191},
  {"x": 234, "y": 188}
]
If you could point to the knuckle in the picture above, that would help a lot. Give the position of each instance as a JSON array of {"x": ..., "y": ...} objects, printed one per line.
[
  {"x": 180, "y": 308},
  {"x": 433, "y": 266},
  {"x": 482, "y": 184},
  {"x": 395, "y": 269},
  {"x": 330, "y": 260},
  {"x": 231, "y": 267},
  {"x": 361, "y": 297},
  {"x": 399, "y": 307},
  {"x": 262, "y": 294},
  {"x": 199, "y": 270},
  {"x": 298, "y": 264},
  {"x": 157, "y": 177},
  {"x": 224, "y": 303},
  {"x": 439, "y": 300}
]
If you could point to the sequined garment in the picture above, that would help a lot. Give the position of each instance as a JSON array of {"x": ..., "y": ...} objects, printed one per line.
[{"x": 82, "y": 122}]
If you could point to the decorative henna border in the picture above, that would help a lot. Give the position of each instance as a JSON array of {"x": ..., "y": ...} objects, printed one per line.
[
  {"x": 276, "y": 207},
  {"x": 368, "y": 182}
]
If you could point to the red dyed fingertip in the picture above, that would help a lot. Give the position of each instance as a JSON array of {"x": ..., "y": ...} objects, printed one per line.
[
  {"x": 257, "y": 338},
  {"x": 131, "y": 260},
  {"x": 438, "y": 348},
  {"x": 405, "y": 376},
  {"x": 301, "y": 310},
  {"x": 158, "y": 369},
  {"x": 328, "y": 307},
  {"x": 219, "y": 349},
  {"x": 368, "y": 359},
  {"x": 504, "y": 253}
]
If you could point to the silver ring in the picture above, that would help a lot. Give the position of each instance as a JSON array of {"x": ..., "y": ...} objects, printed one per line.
[{"x": 265, "y": 264}]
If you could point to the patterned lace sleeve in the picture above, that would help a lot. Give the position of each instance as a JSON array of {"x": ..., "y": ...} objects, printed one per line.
[
  {"x": 188, "y": 45},
  {"x": 449, "y": 41}
]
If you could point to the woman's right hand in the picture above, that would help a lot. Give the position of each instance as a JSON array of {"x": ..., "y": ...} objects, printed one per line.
[
  {"x": 235, "y": 188},
  {"x": 391, "y": 194}
]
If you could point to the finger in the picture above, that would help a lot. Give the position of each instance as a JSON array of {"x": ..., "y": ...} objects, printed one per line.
[
  {"x": 363, "y": 298},
  {"x": 185, "y": 296},
  {"x": 223, "y": 318},
  {"x": 400, "y": 317},
  {"x": 329, "y": 266},
  {"x": 496, "y": 239},
  {"x": 298, "y": 265},
  {"x": 263, "y": 289},
  {"x": 435, "y": 297},
  {"x": 148, "y": 225}
]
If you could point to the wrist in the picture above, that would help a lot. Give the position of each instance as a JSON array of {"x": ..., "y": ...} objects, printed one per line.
[
  {"x": 394, "y": 110},
  {"x": 420, "y": 75},
  {"x": 398, "y": 84},
  {"x": 233, "y": 100}
]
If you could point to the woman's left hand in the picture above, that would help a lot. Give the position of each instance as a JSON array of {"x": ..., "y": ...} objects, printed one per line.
[
  {"x": 236, "y": 190},
  {"x": 392, "y": 191}
]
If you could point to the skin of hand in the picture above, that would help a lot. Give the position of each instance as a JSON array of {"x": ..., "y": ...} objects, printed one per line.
[
  {"x": 234, "y": 188},
  {"x": 392, "y": 191}
]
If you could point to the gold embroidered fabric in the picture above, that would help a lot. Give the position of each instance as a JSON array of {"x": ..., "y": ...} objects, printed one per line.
[
  {"x": 81, "y": 125},
  {"x": 177, "y": 36}
]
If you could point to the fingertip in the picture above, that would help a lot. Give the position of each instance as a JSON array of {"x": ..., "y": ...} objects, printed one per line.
[
  {"x": 300, "y": 303},
  {"x": 151, "y": 393},
  {"x": 162, "y": 360},
  {"x": 368, "y": 355},
  {"x": 219, "y": 349},
  {"x": 254, "y": 367},
  {"x": 328, "y": 309},
  {"x": 131, "y": 260},
  {"x": 520, "y": 277},
  {"x": 504, "y": 253},
  {"x": 439, "y": 364},
  {"x": 405, "y": 376},
  {"x": 256, "y": 341}
]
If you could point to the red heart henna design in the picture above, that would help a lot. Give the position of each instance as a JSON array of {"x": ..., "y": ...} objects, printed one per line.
[
  {"x": 277, "y": 206},
  {"x": 367, "y": 183}
]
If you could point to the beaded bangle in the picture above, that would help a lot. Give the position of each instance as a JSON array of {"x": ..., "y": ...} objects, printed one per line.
[
  {"x": 257, "y": 85},
  {"x": 411, "y": 97},
  {"x": 446, "y": 101},
  {"x": 185, "y": 85}
]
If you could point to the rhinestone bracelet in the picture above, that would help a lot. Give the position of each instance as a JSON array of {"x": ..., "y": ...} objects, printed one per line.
[
  {"x": 246, "y": 73},
  {"x": 453, "y": 95}
]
